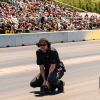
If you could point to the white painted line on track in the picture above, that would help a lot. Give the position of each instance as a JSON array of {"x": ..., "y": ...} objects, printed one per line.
[
  {"x": 80, "y": 60},
  {"x": 34, "y": 67}
]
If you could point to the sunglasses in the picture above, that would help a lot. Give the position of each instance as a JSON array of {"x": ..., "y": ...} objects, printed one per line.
[{"x": 42, "y": 45}]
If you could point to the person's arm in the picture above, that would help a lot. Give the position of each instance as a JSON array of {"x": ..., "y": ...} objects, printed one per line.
[
  {"x": 42, "y": 71},
  {"x": 39, "y": 62},
  {"x": 53, "y": 61},
  {"x": 52, "y": 68}
]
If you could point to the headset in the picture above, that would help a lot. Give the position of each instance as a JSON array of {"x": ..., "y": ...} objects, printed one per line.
[{"x": 48, "y": 43}]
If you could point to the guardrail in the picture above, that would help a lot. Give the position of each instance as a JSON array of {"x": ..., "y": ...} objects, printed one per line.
[{"x": 9, "y": 40}]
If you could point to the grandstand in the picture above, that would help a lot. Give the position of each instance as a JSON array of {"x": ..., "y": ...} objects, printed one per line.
[{"x": 41, "y": 15}]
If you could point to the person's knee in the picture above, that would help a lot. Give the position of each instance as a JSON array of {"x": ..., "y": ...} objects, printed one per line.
[
  {"x": 32, "y": 84},
  {"x": 51, "y": 80}
]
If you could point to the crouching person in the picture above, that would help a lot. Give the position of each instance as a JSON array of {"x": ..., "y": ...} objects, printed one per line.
[{"x": 51, "y": 68}]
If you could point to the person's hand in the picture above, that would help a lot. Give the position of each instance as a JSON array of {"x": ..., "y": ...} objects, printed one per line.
[{"x": 46, "y": 83}]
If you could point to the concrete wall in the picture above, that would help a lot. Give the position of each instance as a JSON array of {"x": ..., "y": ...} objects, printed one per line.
[
  {"x": 76, "y": 36},
  {"x": 7, "y": 40},
  {"x": 30, "y": 39},
  {"x": 53, "y": 37},
  {"x": 83, "y": 35}
]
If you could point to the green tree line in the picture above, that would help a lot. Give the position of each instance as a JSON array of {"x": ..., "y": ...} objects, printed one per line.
[{"x": 88, "y": 5}]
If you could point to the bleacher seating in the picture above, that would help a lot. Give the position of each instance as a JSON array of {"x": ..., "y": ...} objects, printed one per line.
[{"x": 43, "y": 15}]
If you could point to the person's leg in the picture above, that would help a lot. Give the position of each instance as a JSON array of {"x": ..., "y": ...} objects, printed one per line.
[
  {"x": 37, "y": 81},
  {"x": 54, "y": 80}
]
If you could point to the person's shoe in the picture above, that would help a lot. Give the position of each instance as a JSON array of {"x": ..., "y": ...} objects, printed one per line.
[
  {"x": 53, "y": 88},
  {"x": 61, "y": 87}
]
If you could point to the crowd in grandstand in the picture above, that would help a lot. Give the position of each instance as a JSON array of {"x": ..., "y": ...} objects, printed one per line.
[{"x": 43, "y": 15}]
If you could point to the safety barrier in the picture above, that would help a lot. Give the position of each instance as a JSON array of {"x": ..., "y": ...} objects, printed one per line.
[
  {"x": 83, "y": 35},
  {"x": 9, "y": 40}
]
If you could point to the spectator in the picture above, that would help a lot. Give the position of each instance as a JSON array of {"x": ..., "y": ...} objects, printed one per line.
[{"x": 43, "y": 16}]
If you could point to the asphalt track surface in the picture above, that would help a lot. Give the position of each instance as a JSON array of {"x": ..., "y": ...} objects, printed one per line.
[{"x": 82, "y": 61}]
